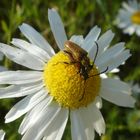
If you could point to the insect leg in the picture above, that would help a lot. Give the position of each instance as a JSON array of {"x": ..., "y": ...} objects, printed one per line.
[{"x": 81, "y": 98}]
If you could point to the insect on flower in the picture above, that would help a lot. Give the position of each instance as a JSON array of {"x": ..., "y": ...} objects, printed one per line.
[
  {"x": 63, "y": 86},
  {"x": 78, "y": 56}
]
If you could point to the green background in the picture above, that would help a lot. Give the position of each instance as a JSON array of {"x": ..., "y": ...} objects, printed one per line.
[{"x": 78, "y": 16}]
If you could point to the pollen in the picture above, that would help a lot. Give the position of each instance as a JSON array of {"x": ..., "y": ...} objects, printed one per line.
[
  {"x": 135, "y": 18},
  {"x": 67, "y": 85}
]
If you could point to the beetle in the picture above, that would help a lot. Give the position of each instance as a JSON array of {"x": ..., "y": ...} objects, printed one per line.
[{"x": 78, "y": 56}]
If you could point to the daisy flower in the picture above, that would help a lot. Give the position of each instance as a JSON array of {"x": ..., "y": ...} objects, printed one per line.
[
  {"x": 128, "y": 17},
  {"x": 63, "y": 85},
  {"x": 2, "y": 134}
]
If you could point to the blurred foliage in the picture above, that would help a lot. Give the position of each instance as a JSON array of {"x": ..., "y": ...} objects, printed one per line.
[{"x": 78, "y": 18}]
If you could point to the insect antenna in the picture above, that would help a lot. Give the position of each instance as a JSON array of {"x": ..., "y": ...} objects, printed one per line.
[
  {"x": 96, "y": 52},
  {"x": 100, "y": 72}
]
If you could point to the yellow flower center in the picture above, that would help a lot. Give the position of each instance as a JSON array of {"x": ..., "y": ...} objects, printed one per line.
[
  {"x": 135, "y": 18},
  {"x": 67, "y": 85}
]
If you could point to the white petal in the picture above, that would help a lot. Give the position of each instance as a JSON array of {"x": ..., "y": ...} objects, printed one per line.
[
  {"x": 20, "y": 90},
  {"x": 36, "y": 38},
  {"x": 124, "y": 14},
  {"x": 98, "y": 102},
  {"x": 20, "y": 77},
  {"x": 21, "y": 57},
  {"x": 81, "y": 129},
  {"x": 101, "y": 45},
  {"x": 78, "y": 39},
  {"x": 92, "y": 52},
  {"x": 134, "y": 4},
  {"x": 76, "y": 128},
  {"x": 25, "y": 105},
  {"x": 57, "y": 28},
  {"x": 34, "y": 114},
  {"x": 138, "y": 30},
  {"x": 48, "y": 112},
  {"x": 93, "y": 34},
  {"x": 128, "y": 7},
  {"x": 45, "y": 138},
  {"x": 124, "y": 24},
  {"x": 117, "y": 92},
  {"x": 49, "y": 124},
  {"x": 120, "y": 85},
  {"x": 130, "y": 29},
  {"x": 96, "y": 119},
  {"x": 31, "y": 48},
  {"x": 2, "y": 135},
  {"x": 109, "y": 53},
  {"x": 135, "y": 88},
  {"x": 91, "y": 38},
  {"x": 104, "y": 41},
  {"x": 1, "y": 56},
  {"x": 2, "y": 69},
  {"x": 124, "y": 18},
  {"x": 60, "y": 123},
  {"x": 115, "y": 61},
  {"x": 103, "y": 76},
  {"x": 120, "y": 59},
  {"x": 115, "y": 70}
]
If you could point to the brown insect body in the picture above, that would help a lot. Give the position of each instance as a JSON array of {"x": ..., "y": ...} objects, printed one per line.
[{"x": 78, "y": 56}]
